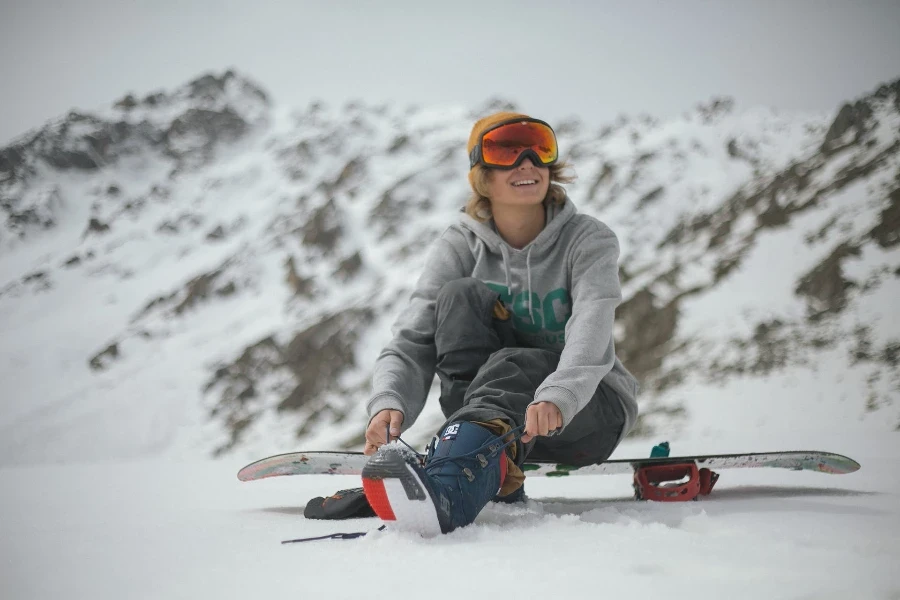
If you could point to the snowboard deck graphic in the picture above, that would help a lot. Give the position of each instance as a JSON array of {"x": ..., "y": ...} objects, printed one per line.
[{"x": 352, "y": 463}]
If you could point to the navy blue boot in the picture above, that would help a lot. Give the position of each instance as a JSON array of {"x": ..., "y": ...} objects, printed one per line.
[
  {"x": 459, "y": 478},
  {"x": 516, "y": 497}
]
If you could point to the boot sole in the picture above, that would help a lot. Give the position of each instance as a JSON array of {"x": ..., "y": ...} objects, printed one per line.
[{"x": 398, "y": 496}]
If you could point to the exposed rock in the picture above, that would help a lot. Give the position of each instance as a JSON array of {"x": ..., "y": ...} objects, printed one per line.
[
  {"x": 852, "y": 117},
  {"x": 198, "y": 289},
  {"x": 389, "y": 213},
  {"x": 184, "y": 220},
  {"x": 154, "y": 99},
  {"x": 567, "y": 127},
  {"x": 229, "y": 289},
  {"x": 193, "y": 135},
  {"x": 887, "y": 231},
  {"x": 320, "y": 353},
  {"x": 158, "y": 301},
  {"x": 323, "y": 229},
  {"x": 12, "y": 163},
  {"x": 102, "y": 359},
  {"x": 650, "y": 197},
  {"x": 890, "y": 354},
  {"x": 37, "y": 276},
  {"x": 36, "y": 211},
  {"x": 825, "y": 287},
  {"x": 715, "y": 108},
  {"x": 724, "y": 267},
  {"x": 314, "y": 359},
  {"x": 720, "y": 232},
  {"x": 95, "y": 225},
  {"x": 127, "y": 103},
  {"x": 399, "y": 143},
  {"x": 605, "y": 176},
  {"x": 300, "y": 286},
  {"x": 862, "y": 351},
  {"x": 648, "y": 330},
  {"x": 771, "y": 350},
  {"x": 349, "y": 267},
  {"x": 167, "y": 227},
  {"x": 775, "y": 215},
  {"x": 732, "y": 148},
  {"x": 349, "y": 177},
  {"x": 822, "y": 233},
  {"x": 216, "y": 234},
  {"x": 296, "y": 158}
]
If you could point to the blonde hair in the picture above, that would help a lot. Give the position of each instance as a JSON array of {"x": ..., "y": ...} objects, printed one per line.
[{"x": 479, "y": 205}]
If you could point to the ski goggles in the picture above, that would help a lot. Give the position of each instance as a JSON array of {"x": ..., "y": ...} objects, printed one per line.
[{"x": 507, "y": 144}]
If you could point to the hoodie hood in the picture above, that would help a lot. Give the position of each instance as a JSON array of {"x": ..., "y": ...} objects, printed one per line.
[{"x": 556, "y": 217}]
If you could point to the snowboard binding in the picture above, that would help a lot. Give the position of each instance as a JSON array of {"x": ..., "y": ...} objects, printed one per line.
[{"x": 676, "y": 482}]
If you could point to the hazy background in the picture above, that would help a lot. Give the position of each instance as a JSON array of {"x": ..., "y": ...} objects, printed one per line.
[{"x": 585, "y": 58}]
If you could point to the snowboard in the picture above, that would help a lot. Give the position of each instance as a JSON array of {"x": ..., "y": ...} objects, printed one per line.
[{"x": 352, "y": 463}]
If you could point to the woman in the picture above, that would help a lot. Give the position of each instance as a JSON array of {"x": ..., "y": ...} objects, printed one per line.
[{"x": 514, "y": 312}]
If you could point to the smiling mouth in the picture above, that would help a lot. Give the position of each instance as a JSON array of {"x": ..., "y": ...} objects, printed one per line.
[{"x": 523, "y": 182}]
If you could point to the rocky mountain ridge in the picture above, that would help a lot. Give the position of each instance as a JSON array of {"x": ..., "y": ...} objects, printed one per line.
[{"x": 204, "y": 271}]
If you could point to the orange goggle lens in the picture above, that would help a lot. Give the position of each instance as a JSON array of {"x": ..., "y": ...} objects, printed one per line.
[{"x": 504, "y": 145}]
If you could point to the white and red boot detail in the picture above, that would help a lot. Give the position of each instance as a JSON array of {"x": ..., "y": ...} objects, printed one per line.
[{"x": 459, "y": 478}]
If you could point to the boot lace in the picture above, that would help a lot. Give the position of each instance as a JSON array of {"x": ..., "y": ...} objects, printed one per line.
[{"x": 492, "y": 447}]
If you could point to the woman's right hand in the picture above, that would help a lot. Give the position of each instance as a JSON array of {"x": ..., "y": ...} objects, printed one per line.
[{"x": 376, "y": 431}]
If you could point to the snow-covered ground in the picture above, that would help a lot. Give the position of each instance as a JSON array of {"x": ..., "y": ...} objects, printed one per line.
[
  {"x": 110, "y": 399},
  {"x": 170, "y": 530}
]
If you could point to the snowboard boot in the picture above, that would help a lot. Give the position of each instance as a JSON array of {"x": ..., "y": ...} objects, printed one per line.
[
  {"x": 460, "y": 476},
  {"x": 344, "y": 504},
  {"x": 516, "y": 497}
]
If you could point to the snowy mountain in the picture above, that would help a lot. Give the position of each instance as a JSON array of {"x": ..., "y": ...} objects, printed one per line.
[{"x": 201, "y": 272}]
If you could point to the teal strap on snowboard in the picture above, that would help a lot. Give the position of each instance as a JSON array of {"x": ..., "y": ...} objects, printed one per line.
[{"x": 660, "y": 450}]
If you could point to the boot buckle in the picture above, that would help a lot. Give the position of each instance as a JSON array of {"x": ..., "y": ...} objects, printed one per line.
[
  {"x": 468, "y": 473},
  {"x": 482, "y": 460}
]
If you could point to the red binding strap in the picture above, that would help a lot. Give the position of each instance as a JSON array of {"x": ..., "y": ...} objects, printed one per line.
[{"x": 673, "y": 482}]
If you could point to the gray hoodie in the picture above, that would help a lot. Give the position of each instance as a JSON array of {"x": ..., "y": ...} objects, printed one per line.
[{"x": 570, "y": 273}]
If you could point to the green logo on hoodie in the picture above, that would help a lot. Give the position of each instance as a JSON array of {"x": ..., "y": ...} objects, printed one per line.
[{"x": 550, "y": 314}]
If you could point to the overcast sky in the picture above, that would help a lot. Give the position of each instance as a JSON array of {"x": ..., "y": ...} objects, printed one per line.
[{"x": 592, "y": 59}]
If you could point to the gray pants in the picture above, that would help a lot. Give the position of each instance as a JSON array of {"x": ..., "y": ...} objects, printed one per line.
[{"x": 485, "y": 374}]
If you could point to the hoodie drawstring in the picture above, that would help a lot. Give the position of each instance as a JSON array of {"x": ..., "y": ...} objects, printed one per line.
[
  {"x": 505, "y": 253},
  {"x": 528, "y": 271}
]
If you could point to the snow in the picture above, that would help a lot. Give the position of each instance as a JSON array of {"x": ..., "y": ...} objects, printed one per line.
[
  {"x": 107, "y": 491},
  {"x": 249, "y": 190},
  {"x": 176, "y": 529}
]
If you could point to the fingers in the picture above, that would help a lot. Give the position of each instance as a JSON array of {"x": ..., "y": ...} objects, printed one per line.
[
  {"x": 541, "y": 419},
  {"x": 396, "y": 422},
  {"x": 377, "y": 430},
  {"x": 531, "y": 424}
]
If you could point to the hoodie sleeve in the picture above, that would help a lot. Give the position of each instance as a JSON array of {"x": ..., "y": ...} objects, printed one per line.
[
  {"x": 405, "y": 368},
  {"x": 589, "y": 351}
]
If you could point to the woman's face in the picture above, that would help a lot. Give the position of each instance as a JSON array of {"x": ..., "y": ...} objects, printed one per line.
[{"x": 525, "y": 185}]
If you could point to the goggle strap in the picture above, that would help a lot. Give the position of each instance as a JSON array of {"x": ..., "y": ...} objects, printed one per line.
[{"x": 475, "y": 155}]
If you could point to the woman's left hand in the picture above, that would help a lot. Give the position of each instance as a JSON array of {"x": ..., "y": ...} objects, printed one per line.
[{"x": 541, "y": 419}]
